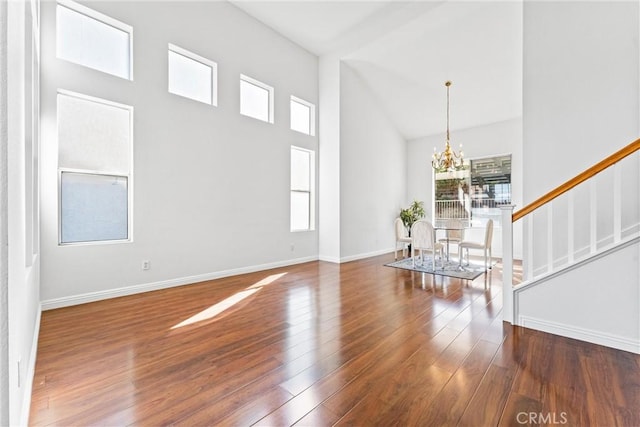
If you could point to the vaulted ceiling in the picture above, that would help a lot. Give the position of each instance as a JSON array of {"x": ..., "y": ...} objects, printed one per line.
[{"x": 405, "y": 51}]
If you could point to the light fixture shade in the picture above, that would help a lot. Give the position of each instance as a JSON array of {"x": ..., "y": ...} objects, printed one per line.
[{"x": 449, "y": 159}]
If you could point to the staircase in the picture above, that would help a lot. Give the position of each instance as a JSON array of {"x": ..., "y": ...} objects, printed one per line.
[{"x": 580, "y": 273}]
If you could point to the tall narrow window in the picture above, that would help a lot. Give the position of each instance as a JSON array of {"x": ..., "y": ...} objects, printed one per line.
[
  {"x": 192, "y": 76},
  {"x": 302, "y": 189},
  {"x": 94, "y": 163},
  {"x": 302, "y": 116},
  {"x": 94, "y": 40},
  {"x": 256, "y": 99}
]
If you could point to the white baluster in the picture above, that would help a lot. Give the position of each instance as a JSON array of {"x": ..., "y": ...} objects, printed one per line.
[
  {"x": 593, "y": 215},
  {"x": 550, "y": 237},
  {"x": 571, "y": 228},
  {"x": 529, "y": 264},
  {"x": 617, "y": 203},
  {"x": 507, "y": 263}
]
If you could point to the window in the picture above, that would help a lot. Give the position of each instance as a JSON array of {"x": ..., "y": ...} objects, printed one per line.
[
  {"x": 192, "y": 76},
  {"x": 302, "y": 189},
  {"x": 94, "y": 163},
  {"x": 476, "y": 192},
  {"x": 303, "y": 115},
  {"x": 256, "y": 99},
  {"x": 94, "y": 40}
]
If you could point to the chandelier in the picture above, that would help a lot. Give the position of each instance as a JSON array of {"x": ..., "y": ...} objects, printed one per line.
[{"x": 448, "y": 160}]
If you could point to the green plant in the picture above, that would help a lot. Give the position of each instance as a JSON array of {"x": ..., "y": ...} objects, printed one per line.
[{"x": 414, "y": 212}]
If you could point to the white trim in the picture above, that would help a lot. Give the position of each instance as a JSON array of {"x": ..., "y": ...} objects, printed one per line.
[
  {"x": 365, "y": 255},
  {"x": 581, "y": 255},
  {"x": 154, "y": 286},
  {"x": 566, "y": 268},
  {"x": 204, "y": 61},
  {"x": 588, "y": 335},
  {"x": 31, "y": 371},
  {"x": 327, "y": 258}
]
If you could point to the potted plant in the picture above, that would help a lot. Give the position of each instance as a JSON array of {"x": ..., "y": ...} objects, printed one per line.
[{"x": 414, "y": 212}]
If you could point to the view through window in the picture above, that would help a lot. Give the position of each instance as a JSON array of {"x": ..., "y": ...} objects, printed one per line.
[{"x": 474, "y": 193}]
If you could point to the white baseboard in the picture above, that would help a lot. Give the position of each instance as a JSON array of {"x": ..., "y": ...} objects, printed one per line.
[
  {"x": 31, "y": 372},
  {"x": 328, "y": 258},
  {"x": 570, "y": 331},
  {"x": 365, "y": 255},
  {"x": 154, "y": 286}
]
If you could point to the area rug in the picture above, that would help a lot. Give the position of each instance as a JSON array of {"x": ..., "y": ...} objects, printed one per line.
[{"x": 451, "y": 268}]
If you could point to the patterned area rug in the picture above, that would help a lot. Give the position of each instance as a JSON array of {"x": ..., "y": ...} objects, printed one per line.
[{"x": 451, "y": 269}]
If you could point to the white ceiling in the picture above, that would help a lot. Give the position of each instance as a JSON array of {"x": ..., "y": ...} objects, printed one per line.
[{"x": 405, "y": 51}]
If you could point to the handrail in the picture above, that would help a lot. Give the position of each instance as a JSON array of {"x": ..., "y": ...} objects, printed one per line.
[{"x": 589, "y": 173}]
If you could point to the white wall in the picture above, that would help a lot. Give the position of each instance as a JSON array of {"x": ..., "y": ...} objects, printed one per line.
[
  {"x": 599, "y": 302},
  {"x": 482, "y": 141},
  {"x": 373, "y": 171},
  {"x": 580, "y": 87},
  {"x": 211, "y": 187},
  {"x": 22, "y": 269},
  {"x": 329, "y": 159}
]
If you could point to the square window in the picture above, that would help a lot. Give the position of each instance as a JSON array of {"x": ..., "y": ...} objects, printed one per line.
[
  {"x": 256, "y": 99},
  {"x": 94, "y": 40},
  {"x": 302, "y": 116},
  {"x": 93, "y": 207},
  {"x": 192, "y": 76}
]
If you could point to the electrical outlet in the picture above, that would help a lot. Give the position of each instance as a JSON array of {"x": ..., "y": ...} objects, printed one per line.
[
  {"x": 146, "y": 264},
  {"x": 293, "y": 247}
]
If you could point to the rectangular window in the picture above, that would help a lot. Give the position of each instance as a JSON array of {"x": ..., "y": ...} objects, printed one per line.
[
  {"x": 93, "y": 207},
  {"x": 89, "y": 38},
  {"x": 302, "y": 116},
  {"x": 256, "y": 99},
  {"x": 94, "y": 162},
  {"x": 192, "y": 76},
  {"x": 476, "y": 192},
  {"x": 302, "y": 186}
]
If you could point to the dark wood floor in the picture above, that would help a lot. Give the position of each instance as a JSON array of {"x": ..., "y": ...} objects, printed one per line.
[{"x": 320, "y": 344}]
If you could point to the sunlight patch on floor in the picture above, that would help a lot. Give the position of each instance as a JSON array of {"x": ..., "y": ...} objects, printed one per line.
[{"x": 225, "y": 304}]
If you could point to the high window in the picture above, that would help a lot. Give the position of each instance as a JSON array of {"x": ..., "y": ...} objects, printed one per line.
[
  {"x": 192, "y": 76},
  {"x": 94, "y": 164},
  {"x": 94, "y": 40},
  {"x": 302, "y": 189},
  {"x": 474, "y": 193},
  {"x": 302, "y": 116},
  {"x": 256, "y": 99}
]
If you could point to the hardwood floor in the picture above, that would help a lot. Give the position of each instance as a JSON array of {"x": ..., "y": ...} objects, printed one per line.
[{"x": 320, "y": 344}]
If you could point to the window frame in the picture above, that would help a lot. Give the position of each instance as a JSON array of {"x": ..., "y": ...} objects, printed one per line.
[
  {"x": 102, "y": 18},
  {"x": 202, "y": 60},
  {"x": 270, "y": 90},
  {"x": 312, "y": 115},
  {"x": 310, "y": 192},
  {"x": 129, "y": 176}
]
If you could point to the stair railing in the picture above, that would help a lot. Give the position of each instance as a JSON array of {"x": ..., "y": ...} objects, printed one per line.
[{"x": 509, "y": 217}]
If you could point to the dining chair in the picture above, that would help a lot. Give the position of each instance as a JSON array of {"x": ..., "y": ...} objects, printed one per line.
[
  {"x": 485, "y": 246},
  {"x": 423, "y": 238},
  {"x": 401, "y": 238}
]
